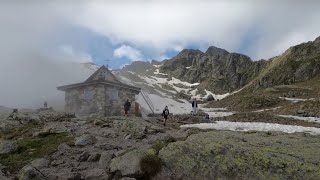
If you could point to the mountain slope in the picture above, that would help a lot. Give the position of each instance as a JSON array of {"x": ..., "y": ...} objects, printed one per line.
[{"x": 216, "y": 70}]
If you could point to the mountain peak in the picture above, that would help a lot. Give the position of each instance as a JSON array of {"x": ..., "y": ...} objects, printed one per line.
[
  {"x": 189, "y": 52},
  {"x": 212, "y": 50}
]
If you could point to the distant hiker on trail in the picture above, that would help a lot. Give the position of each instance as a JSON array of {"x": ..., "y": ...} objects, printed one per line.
[
  {"x": 45, "y": 105},
  {"x": 194, "y": 107},
  {"x": 126, "y": 106},
  {"x": 165, "y": 114},
  {"x": 206, "y": 117}
]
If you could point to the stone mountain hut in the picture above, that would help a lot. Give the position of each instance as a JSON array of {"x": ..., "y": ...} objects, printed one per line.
[{"x": 101, "y": 93}]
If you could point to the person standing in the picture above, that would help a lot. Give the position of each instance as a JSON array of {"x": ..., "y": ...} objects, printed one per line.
[
  {"x": 126, "y": 106},
  {"x": 165, "y": 114},
  {"x": 194, "y": 106}
]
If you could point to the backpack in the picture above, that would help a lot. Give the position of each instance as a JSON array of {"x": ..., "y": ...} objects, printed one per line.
[{"x": 166, "y": 112}]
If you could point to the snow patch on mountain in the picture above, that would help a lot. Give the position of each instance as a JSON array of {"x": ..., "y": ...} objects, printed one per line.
[{"x": 253, "y": 126}]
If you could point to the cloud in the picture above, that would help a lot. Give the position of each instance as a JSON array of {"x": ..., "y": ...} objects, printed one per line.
[
  {"x": 166, "y": 25},
  {"x": 70, "y": 53},
  {"x": 128, "y": 52},
  {"x": 41, "y": 41}
]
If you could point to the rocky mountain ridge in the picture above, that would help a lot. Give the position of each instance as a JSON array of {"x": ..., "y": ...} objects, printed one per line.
[{"x": 220, "y": 71}]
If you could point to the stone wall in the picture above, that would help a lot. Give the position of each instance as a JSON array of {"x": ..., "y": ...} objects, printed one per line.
[
  {"x": 85, "y": 100},
  {"x": 114, "y": 104},
  {"x": 102, "y": 99}
]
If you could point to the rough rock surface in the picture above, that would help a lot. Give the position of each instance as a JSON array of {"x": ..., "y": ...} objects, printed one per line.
[
  {"x": 129, "y": 163},
  {"x": 234, "y": 155},
  {"x": 7, "y": 146},
  {"x": 84, "y": 140}
]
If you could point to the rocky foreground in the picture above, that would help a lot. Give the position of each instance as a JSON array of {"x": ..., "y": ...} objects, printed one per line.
[{"x": 52, "y": 145}]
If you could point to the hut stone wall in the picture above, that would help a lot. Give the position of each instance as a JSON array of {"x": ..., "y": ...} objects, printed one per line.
[{"x": 102, "y": 99}]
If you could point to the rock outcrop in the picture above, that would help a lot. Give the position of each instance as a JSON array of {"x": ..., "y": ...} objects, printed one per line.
[
  {"x": 234, "y": 155},
  {"x": 216, "y": 69},
  {"x": 7, "y": 146}
]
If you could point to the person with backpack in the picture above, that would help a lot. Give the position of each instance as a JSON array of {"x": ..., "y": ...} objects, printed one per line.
[
  {"x": 194, "y": 106},
  {"x": 126, "y": 106},
  {"x": 165, "y": 114}
]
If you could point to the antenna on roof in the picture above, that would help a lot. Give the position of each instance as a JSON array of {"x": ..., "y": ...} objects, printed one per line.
[{"x": 107, "y": 62}]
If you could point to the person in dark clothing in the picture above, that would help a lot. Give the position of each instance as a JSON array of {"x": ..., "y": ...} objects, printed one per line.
[
  {"x": 165, "y": 114},
  {"x": 194, "y": 107},
  {"x": 126, "y": 106}
]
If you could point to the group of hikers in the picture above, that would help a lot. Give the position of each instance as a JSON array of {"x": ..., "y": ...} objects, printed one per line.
[{"x": 166, "y": 112}]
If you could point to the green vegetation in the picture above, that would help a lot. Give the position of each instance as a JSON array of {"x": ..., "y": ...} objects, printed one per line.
[
  {"x": 150, "y": 164},
  {"x": 24, "y": 131},
  {"x": 235, "y": 155},
  {"x": 31, "y": 148}
]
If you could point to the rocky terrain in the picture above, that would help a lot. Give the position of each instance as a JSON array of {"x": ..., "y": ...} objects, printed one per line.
[{"x": 53, "y": 145}]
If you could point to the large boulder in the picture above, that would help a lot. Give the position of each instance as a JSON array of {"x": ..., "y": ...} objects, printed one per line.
[
  {"x": 235, "y": 155},
  {"x": 129, "y": 163},
  {"x": 210, "y": 98},
  {"x": 105, "y": 159},
  {"x": 29, "y": 172},
  {"x": 84, "y": 140},
  {"x": 7, "y": 146}
]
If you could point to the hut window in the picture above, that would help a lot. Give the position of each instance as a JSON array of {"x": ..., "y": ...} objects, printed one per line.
[
  {"x": 114, "y": 94},
  {"x": 88, "y": 94}
]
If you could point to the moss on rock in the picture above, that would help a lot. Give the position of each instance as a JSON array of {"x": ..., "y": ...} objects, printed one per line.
[{"x": 234, "y": 155}]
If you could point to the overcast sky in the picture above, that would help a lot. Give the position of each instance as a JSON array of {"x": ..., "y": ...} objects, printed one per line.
[{"x": 36, "y": 35}]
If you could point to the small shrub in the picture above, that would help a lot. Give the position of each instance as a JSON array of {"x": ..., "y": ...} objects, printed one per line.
[{"x": 150, "y": 164}]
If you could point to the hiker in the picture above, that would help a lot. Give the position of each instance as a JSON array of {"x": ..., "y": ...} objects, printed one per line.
[
  {"x": 126, "y": 106},
  {"x": 165, "y": 114},
  {"x": 45, "y": 105},
  {"x": 194, "y": 106},
  {"x": 206, "y": 117}
]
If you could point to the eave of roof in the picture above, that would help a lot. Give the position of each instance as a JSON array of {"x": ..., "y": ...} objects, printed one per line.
[{"x": 77, "y": 85}]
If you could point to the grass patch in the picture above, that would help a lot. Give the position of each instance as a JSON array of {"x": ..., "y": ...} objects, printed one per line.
[
  {"x": 159, "y": 145},
  {"x": 24, "y": 131},
  {"x": 33, "y": 148}
]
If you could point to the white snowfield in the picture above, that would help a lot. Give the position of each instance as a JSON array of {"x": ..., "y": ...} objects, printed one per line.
[
  {"x": 310, "y": 119},
  {"x": 253, "y": 126},
  {"x": 271, "y": 109},
  {"x": 160, "y": 102},
  {"x": 175, "y": 107},
  {"x": 295, "y": 100}
]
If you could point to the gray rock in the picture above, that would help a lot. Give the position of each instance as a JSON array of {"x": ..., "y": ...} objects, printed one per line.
[
  {"x": 83, "y": 157},
  {"x": 210, "y": 98},
  {"x": 129, "y": 163},
  {"x": 7, "y": 146},
  {"x": 94, "y": 157},
  {"x": 127, "y": 178},
  {"x": 105, "y": 159},
  {"x": 63, "y": 147},
  {"x": 40, "y": 163},
  {"x": 84, "y": 140},
  {"x": 70, "y": 176},
  {"x": 28, "y": 172},
  {"x": 2, "y": 175},
  {"x": 106, "y": 146},
  {"x": 128, "y": 136},
  {"x": 96, "y": 174}
]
